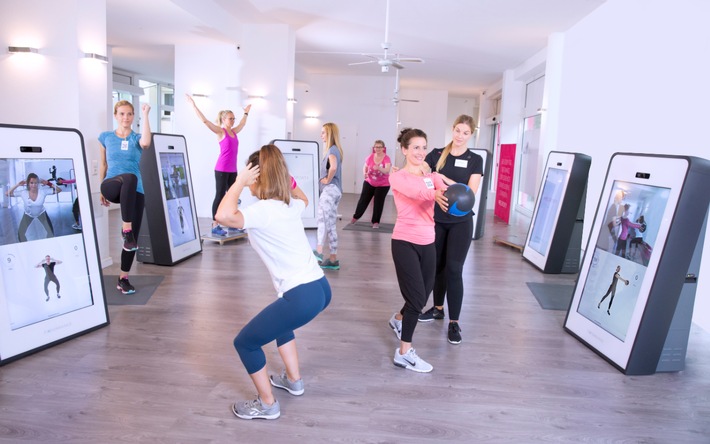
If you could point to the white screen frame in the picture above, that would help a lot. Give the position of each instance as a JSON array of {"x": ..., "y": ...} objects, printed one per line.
[
  {"x": 174, "y": 144},
  {"x": 55, "y": 143},
  {"x": 558, "y": 161},
  {"x": 306, "y": 178},
  {"x": 663, "y": 172}
]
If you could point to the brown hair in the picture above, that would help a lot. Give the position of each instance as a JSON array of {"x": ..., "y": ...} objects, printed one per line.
[
  {"x": 274, "y": 181},
  {"x": 466, "y": 120},
  {"x": 408, "y": 134},
  {"x": 378, "y": 141}
]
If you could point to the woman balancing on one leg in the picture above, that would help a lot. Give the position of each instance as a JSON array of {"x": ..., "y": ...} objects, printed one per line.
[
  {"x": 277, "y": 234},
  {"x": 121, "y": 183},
  {"x": 413, "y": 249}
]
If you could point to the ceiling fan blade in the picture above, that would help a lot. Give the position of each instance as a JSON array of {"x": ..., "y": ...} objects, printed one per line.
[
  {"x": 396, "y": 64},
  {"x": 362, "y": 63},
  {"x": 409, "y": 59}
]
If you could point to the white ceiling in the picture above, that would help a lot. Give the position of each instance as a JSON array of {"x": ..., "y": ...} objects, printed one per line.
[{"x": 466, "y": 44}]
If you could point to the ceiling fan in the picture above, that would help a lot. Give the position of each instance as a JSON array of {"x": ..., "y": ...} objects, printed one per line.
[{"x": 386, "y": 60}]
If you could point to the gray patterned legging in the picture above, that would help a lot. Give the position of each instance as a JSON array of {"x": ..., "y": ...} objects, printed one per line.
[{"x": 327, "y": 216}]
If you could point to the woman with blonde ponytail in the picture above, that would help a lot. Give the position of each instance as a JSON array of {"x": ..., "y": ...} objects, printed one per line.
[{"x": 457, "y": 164}]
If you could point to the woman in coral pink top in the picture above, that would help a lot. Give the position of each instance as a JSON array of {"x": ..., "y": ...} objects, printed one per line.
[
  {"x": 376, "y": 171},
  {"x": 413, "y": 249}
]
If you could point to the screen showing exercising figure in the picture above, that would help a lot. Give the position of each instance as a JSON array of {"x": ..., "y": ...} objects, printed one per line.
[
  {"x": 44, "y": 268},
  {"x": 177, "y": 198},
  {"x": 547, "y": 210},
  {"x": 622, "y": 253}
]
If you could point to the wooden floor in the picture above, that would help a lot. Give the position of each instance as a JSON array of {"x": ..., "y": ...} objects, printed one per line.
[{"x": 167, "y": 371}]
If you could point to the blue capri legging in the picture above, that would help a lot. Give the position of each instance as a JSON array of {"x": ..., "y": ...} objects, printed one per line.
[{"x": 278, "y": 321}]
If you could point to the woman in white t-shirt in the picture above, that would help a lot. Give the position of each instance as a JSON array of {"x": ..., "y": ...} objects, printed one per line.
[
  {"x": 276, "y": 232},
  {"x": 33, "y": 197}
]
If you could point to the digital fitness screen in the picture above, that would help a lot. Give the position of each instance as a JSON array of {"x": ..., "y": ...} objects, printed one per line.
[
  {"x": 621, "y": 255},
  {"x": 44, "y": 269},
  {"x": 177, "y": 198},
  {"x": 547, "y": 210}
]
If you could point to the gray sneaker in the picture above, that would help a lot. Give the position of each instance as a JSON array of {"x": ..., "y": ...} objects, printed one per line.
[
  {"x": 255, "y": 409},
  {"x": 411, "y": 361},
  {"x": 396, "y": 326},
  {"x": 282, "y": 381}
]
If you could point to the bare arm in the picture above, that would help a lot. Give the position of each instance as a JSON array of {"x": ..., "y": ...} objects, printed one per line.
[
  {"x": 212, "y": 127},
  {"x": 243, "y": 122},
  {"x": 10, "y": 192},
  {"x": 103, "y": 167},
  {"x": 474, "y": 182},
  {"x": 297, "y": 193},
  {"x": 145, "y": 131},
  {"x": 55, "y": 189},
  {"x": 228, "y": 213},
  {"x": 332, "y": 170}
]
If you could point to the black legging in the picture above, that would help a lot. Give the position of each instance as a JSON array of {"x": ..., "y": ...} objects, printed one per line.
[
  {"x": 414, "y": 265},
  {"x": 27, "y": 220},
  {"x": 452, "y": 242},
  {"x": 222, "y": 183},
  {"x": 121, "y": 189},
  {"x": 368, "y": 191}
]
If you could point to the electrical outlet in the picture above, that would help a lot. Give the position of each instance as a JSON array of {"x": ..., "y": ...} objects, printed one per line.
[{"x": 94, "y": 167}]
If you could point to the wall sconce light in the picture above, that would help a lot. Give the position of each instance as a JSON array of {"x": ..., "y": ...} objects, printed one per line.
[
  {"x": 292, "y": 100},
  {"x": 22, "y": 49},
  {"x": 255, "y": 97},
  {"x": 199, "y": 95},
  {"x": 311, "y": 117},
  {"x": 91, "y": 55}
]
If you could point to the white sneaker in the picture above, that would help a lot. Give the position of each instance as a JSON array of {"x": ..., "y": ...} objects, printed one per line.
[
  {"x": 396, "y": 326},
  {"x": 411, "y": 361}
]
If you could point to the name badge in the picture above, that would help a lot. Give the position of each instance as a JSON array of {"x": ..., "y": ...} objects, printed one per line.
[
  {"x": 429, "y": 183},
  {"x": 124, "y": 145},
  {"x": 461, "y": 163}
]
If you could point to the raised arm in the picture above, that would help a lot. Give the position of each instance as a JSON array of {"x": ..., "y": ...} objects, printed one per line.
[
  {"x": 10, "y": 192},
  {"x": 244, "y": 119},
  {"x": 212, "y": 127},
  {"x": 145, "y": 125},
  {"x": 228, "y": 213}
]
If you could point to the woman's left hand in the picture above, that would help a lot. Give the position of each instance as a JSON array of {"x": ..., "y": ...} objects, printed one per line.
[{"x": 324, "y": 181}]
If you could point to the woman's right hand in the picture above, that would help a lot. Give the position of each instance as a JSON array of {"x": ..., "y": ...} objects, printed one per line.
[
  {"x": 442, "y": 200},
  {"x": 248, "y": 176},
  {"x": 190, "y": 99},
  {"x": 105, "y": 202}
]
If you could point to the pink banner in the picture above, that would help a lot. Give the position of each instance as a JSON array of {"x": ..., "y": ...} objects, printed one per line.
[{"x": 504, "y": 187}]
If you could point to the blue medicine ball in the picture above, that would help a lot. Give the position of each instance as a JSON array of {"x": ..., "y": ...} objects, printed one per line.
[{"x": 461, "y": 199}]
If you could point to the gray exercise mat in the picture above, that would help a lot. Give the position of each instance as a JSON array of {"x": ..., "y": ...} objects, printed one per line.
[
  {"x": 145, "y": 287},
  {"x": 552, "y": 296},
  {"x": 367, "y": 226}
]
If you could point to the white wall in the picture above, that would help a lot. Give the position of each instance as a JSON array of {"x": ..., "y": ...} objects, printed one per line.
[
  {"x": 634, "y": 78},
  {"x": 228, "y": 76},
  {"x": 58, "y": 87}
]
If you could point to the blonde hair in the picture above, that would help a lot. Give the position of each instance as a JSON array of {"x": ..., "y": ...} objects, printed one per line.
[
  {"x": 274, "y": 181},
  {"x": 121, "y": 103},
  {"x": 221, "y": 114},
  {"x": 466, "y": 120},
  {"x": 332, "y": 137}
]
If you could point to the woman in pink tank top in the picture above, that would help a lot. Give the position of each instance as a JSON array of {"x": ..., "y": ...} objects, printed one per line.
[{"x": 225, "y": 171}]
